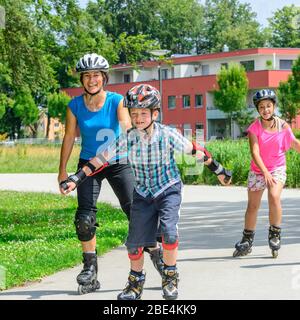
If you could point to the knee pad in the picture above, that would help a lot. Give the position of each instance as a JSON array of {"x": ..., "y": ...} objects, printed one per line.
[
  {"x": 170, "y": 242},
  {"x": 135, "y": 253},
  {"x": 85, "y": 223}
]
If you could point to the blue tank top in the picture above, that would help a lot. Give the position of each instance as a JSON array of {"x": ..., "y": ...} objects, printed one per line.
[{"x": 98, "y": 129}]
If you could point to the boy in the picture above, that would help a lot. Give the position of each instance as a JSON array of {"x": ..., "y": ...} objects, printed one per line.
[{"x": 157, "y": 195}]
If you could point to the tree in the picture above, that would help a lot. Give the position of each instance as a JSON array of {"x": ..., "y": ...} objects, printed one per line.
[
  {"x": 132, "y": 49},
  {"x": 285, "y": 27},
  {"x": 180, "y": 26},
  {"x": 26, "y": 110},
  {"x": 57, "y": 107},
  {"x": 233, "y": 88},
  {"x": 289, "y": 94},
  {"x": 243, "y": 119},
  {"x": 168, "y": 22},
  {"x": 232, "y": 23}
]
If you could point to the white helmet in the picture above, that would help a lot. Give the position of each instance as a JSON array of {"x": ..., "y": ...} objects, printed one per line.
[{"x": 92, "y": 61}]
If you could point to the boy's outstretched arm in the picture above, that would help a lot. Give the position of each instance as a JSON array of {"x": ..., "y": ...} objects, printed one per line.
[
  {"x": 223, "y": 175},
  {"x": 92, "y": 167}
]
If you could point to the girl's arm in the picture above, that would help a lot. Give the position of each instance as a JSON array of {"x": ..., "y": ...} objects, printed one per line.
[{"x": 296, "y": 145}]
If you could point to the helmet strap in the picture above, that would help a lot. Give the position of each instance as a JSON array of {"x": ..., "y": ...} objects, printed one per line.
[{"x": 272, "y": 118}]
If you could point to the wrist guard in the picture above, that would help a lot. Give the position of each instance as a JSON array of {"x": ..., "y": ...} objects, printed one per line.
[
  {"x": 197, "y": 147},
  {"x": 77, "y": 178},
  {"x": 218, "y": 169}
]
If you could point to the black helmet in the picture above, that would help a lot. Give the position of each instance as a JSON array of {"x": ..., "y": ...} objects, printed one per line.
[
  {"x": 142, "y": 96},
  {"x": 92, "y": 61},
  {"x": 263, "y": 95}
]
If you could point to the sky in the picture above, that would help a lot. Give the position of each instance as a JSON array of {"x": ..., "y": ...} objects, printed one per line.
[{"x": 263, "y": 8}]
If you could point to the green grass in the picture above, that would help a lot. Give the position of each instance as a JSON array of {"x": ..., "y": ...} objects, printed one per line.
[
  {"x": 34, "y": 159},
  {"x": 37, "y": 234},
  {"x": 234, "y": 155}
]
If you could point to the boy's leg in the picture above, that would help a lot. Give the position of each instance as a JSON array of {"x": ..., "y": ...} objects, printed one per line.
[
  {"x": 136, "y": 279},
  {"x": 142, "y": 232},
  {"x": 168, "y": 207}
]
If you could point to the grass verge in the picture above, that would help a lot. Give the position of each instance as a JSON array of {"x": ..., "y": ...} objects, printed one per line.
[{"x": 37, "y": 234}]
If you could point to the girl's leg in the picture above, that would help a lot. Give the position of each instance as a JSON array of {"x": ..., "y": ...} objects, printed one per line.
[
  {"x": 254, "y": 200},
  {"x": 275, "y": 213},
  {"x": 275, "y": 210},
  {"x": 244, "y": 246}
]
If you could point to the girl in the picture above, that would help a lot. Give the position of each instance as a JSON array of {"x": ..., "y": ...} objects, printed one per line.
[{"x": 270, "y": 138}]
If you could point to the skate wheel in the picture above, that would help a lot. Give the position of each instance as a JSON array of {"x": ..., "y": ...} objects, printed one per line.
[
  {"x": 236, "y": 253},
  {"x": 81, "y": 290},
  {"x": 275, "y": 253},
  {"x": 98, "y": 286}
]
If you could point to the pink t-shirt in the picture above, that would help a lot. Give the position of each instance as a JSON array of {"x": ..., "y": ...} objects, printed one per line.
[{"x": 272, "y": 145}]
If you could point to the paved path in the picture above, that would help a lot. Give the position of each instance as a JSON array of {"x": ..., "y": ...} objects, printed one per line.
[{"x": 211, "y": 222}]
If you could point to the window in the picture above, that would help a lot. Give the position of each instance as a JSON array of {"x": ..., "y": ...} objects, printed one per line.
[
  {"x": 164, "y": 74},
  {"x": 186, "y": 101},
  {"x": 248, "y": 65},
  {"x": 126, "y": 78},
  {"x": 285, "y": 64},
  {"x": 187, "y": 130},
  {"x": 56, "y": 124},
  {"x": 205, "y": 69},
  {"x": 199, "y": 129},
  {"x": 225, "y": 65},
  {"x": 198, "y": 100},
  {"x": 199, "y": 126},
  {"x": 171, "y": 102}
]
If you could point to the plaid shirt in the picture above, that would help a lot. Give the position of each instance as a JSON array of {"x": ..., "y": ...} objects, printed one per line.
[{"x": 152, "y": 159}]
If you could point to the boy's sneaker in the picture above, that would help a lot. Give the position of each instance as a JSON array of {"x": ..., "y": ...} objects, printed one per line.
[
  {"x": 134, "y": 287},
  {"x": 170, "y": 279}
]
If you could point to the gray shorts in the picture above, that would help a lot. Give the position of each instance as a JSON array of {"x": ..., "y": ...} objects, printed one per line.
[{"x": 148, "y": 213}]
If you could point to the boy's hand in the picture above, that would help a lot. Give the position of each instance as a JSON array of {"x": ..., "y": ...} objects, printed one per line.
[
  {"x": 67, "y": 186},
  {"x": 224, "y": 179}
]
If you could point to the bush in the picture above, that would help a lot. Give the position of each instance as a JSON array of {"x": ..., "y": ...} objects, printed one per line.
[{"x": 235, "y": 156}]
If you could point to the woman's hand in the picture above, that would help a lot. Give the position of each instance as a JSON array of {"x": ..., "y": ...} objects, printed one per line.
[{"x": 62, "y": 176}]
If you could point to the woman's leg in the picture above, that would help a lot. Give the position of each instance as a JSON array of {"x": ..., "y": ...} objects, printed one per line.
[
  {"x": 122, "y": 181},
  {"x": 85, "y": 218}
]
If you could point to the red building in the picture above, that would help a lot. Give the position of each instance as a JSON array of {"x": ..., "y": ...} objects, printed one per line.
[{"x": 188, "y": 82}]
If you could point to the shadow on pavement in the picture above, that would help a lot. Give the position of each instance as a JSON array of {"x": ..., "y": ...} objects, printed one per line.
[{"x": 219, "y": 225}]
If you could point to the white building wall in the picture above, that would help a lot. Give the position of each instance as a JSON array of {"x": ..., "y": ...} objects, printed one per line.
[{"x": 195, "y": 69}]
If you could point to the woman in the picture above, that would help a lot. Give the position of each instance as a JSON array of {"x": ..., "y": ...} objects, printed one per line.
[{"x": 101, "y": 117}]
